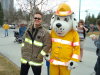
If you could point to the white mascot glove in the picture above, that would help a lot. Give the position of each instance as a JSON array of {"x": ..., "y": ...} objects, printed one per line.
[
  {"x": 47, "y": 57},
  {"x": 72, "y": 65}
]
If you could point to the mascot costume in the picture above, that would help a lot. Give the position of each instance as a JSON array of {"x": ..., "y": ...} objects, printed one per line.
[{"x": 65, "y": 49}]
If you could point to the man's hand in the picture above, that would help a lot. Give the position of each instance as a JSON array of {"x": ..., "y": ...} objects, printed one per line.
[{"x": 72, "y": 65}]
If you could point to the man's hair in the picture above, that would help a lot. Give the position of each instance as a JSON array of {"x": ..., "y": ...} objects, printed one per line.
[
  {"x": 98, "y": 22},
  {"x": 38, "y": 12}
]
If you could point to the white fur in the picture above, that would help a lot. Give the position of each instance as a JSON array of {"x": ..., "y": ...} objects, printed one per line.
[{"x": 65, "y": 27}]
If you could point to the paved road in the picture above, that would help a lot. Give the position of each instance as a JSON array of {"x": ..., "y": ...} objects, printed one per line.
[{"x": 12, "y": 51}]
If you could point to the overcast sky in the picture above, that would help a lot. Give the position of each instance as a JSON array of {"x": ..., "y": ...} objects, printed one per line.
[{"x": 93, "y": 6}]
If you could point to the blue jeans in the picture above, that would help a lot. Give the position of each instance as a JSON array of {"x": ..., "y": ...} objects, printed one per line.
[
  {"x": 48, "y": 65},
  {"x": 6, "y": 32}
]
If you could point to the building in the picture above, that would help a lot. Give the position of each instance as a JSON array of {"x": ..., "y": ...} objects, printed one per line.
[{"x": 8, "y": 5}]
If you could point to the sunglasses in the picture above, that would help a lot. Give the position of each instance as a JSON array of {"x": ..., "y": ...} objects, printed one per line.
[{"x": 37, "y": 18}]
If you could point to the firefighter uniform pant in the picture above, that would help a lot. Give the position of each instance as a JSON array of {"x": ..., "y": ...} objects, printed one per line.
[
  {"x": 25, "y": 68},
  {"x": 97, "y": 66},
  {"x": 59, "y": 70}
]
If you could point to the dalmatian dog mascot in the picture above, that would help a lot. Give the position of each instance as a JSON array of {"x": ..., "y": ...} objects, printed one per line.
[{"x": 65, "y": 49}]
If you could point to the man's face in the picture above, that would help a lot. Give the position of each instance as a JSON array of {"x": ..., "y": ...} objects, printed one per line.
[{"x": 37, "y": 20}]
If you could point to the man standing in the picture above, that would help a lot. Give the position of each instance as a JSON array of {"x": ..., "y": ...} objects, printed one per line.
[
  {"x": 6, "y": 27},
  {"x": 97, "y": 44},
  {"x": 36, "y": 44},
  {"x": 22, "y": 30}
]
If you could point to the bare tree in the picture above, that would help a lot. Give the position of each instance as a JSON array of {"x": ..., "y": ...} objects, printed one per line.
[{"x": 31, "y": 6}]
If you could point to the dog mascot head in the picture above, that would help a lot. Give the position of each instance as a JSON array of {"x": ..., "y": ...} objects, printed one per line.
[{"x": 63, "y": 20}]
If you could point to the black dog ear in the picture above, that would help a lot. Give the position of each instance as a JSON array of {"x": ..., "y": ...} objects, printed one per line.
[{"x": 74, "y": 21}]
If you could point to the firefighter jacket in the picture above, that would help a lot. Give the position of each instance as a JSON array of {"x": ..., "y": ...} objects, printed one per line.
[
  {"x": 36, "y": 46},
  {"x": 5, "y": 26},
  {"x": 65, "y": 48}
]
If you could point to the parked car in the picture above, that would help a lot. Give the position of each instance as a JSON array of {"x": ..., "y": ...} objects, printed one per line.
[{"x": 12, "y": 26}]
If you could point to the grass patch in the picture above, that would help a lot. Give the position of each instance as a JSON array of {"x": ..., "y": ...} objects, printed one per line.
[{"x": 7, "y": 67}]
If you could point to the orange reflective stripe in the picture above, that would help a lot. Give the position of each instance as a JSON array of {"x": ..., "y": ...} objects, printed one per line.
[
  {"x": 57, "y": 12},
  {"x": 75, "y": 56},
  {"x": 62, "y": 12},
  {"x": 61, "y": 41},
  {"x": 65, "y": 42},
  {"x": 76, "y": 44},
  {"x": 55, "y": 62},
  {"x": 56, "y": 40}
]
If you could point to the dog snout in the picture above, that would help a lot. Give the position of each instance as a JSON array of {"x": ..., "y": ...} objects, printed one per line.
[{"x": 58, "y": 25}]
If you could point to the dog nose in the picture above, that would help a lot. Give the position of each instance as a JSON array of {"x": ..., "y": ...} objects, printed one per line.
[{"x": 58, "y": 25}]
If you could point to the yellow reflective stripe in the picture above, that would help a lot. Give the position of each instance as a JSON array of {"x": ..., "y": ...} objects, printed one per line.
[
  {"x": 35, "y": 42},
  {"x": 43, "y": 53},
  {"x": 22, "y": 44},
  {"x": 28, "y": 40},
  {"x": 76, "y": 44},
  {"x": 34, "y": 63},
  {"x": 23, "y": 61},
  {"x": 75, "y": 56},
  {"x": 38, "y": 43}
]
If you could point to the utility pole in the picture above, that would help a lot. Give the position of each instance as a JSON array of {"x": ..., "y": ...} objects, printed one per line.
[
  {"x": 32, "y": 10},
  {"x": 79, "y": 8},
  {"x": 87, "y": 15},
  {"x": 31, "y": 16},
  {"x": 86, "y": 12}
]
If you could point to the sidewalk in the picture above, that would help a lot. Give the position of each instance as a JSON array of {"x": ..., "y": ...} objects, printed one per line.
[
  {"x": 87, "y": 66},
  {"x": 13, "y": 51}
]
